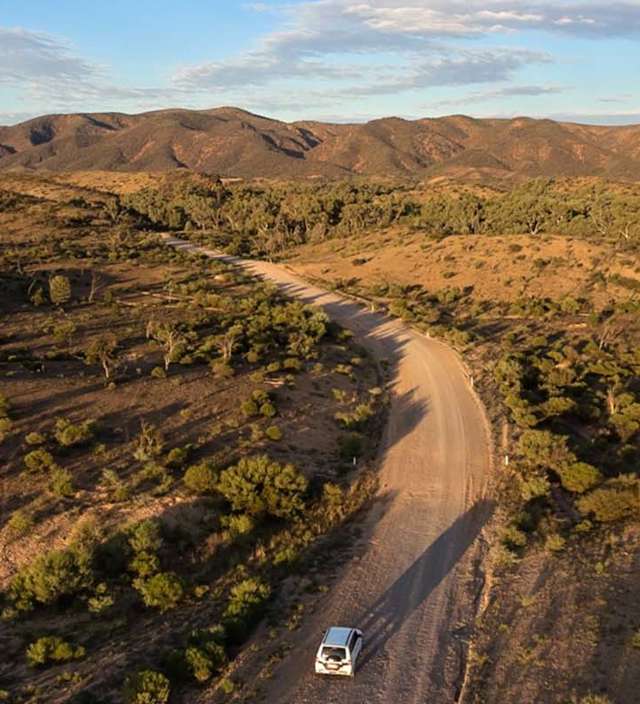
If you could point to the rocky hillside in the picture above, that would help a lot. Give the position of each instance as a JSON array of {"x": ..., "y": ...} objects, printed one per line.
[{"x": 231, "y": 142}]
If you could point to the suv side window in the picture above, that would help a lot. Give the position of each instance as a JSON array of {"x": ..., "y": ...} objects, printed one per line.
[{"x": 352, "y": 641}]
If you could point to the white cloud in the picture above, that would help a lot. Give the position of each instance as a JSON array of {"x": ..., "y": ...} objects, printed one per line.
[
  {"x": 46, "y": 70},
  {"x": 407, "y": 44},
  {"x": 511, "y": 91},
  {"x": 471, "y": 17},
  {"x": 329, "y": 53}
]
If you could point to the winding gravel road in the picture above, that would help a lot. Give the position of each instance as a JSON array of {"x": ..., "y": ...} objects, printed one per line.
[{"x": 412, "y": 589}]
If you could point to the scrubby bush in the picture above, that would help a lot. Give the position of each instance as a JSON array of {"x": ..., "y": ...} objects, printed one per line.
[
  {"x": 357, "y": 419},
  {"x": 39, "y": 461},
  {"x": 145, "y": 540},
  {"x": 69, "y": 434},
  {"x": 53, "y": 649},
  {"x": 350, "y": 446},
  {"x": 59, "y": 290},
  {"x": 238, "y": 524},
  {"x": 249, "y": 408},
  {"x": 117, "y": 489},
  {"x": 615, "y": 500},
  {"x": 61, "y": 483},
  {"x": 101, "y": 600},
  {"x": 555, "y": 543},
  {"x": 543, "y": 448},
  {"x": 103, "y": 351},
  {"x": 579, "y": 477},
  {"x": 206, "y": 655},
  {"x": 162, "y": 591},
  {"x": 6, "y": 425},
  {"x": 5, "y": 406},
  {"x": 146, "y": 687},
  {"x": 20, "y": 523},
  {"x": 259, "y": 485},
  {"x": 246, "y": 604},
  {"x": 533, "y": 487},
  {"x": 268, "y": 410},
  {"x": 178, "y": 456},
  {"x": 273, "y": 433},
  {"x": 202, "y": 478},
  {"x": 54, "y": 575},
  {"x": 169, "y": 337},
  {"x": 149, "y": 443},
  {"x": 513, "y": 537},
  {"x": 35, "y": 439}
]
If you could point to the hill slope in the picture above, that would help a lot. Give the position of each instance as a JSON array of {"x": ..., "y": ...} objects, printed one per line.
[{"x": 232, "y": 142}]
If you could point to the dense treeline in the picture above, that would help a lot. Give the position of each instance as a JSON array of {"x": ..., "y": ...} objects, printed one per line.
[{"x": 266, "y": 219}]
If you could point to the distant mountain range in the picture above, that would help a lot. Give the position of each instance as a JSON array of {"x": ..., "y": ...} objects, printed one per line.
[{"x": 231, "y": 142}]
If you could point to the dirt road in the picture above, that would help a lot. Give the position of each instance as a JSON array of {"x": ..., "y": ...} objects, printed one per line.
[{"x": 411, "y": 591}]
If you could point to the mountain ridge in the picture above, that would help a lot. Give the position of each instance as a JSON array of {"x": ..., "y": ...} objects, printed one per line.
[{"x": 232, "y": 142}]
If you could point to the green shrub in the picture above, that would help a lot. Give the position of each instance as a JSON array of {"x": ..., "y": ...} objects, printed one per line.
[
  {"x": 238, "y": 524},
  {"x": 61, "y": 483},
  {"x": 249, "y": 408},
  {"x": 149, "y": 443},
  {"x": 273, "y": 433},
  {"x": 144, "y": 564},
  {"x": 222, "y": 370},
  {"x": 38, "y": 461},
  {"x": 543, "y": 448},
  {"x": 59, "y": 290},
  {"x": 56, "y": 574},
  {"x": 357, "y": 419},
  {"x": 146, "y": 687},
  {"x": 20, "y": 523},
  {"x": 145, "y": 536},
  {"x": 53, "y": 649},
  {"x": 555, "y": 543},
  {"x": 35, "y": 439},
  {"x": 513, "y": 537},
  {"x": 5, "y": 406},
  {"x": 205, "y": 660},
  {"x": 178, "y": 456},
  {"x": 63, "y": 332},
  {"x": 534, "y": 487},
  {"x": 246, "y": 604},
  {"x": 70, "y": 435},
  {"x": 101, "y": 600},
  {"x": 6, "y": 425},
  {"x": 579, "y": 477},
  {"x": 103, "y": 351},
  {"x": 202, "y": 478},
  {"x": 268, "y": 410},
  {"x": 351, "y": 445},
  {"x": 615, "y": 500},
  {"x": 162, "y": 591},
  {"x": 145, "y": 540},
  {"x": 260, "y": 485},
  {"x": 117, "y": 489},
  {"x": 198, "y": 664},
  {"x": 293, "y": 364}
]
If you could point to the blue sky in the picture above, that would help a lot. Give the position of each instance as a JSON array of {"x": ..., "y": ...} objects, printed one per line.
[{"x": 324, "y": 59}]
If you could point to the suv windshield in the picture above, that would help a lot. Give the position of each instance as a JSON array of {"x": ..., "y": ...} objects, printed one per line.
[{"x": 333, "y": 653}]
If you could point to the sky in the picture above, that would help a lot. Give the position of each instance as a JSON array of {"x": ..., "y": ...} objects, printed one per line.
[{"x": 335, "y": 60}]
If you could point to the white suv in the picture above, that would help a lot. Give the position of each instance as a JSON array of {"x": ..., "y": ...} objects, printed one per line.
[{"x": 339, "y": 651}]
